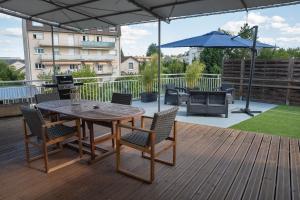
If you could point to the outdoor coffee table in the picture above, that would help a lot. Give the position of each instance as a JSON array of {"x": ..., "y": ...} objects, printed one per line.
[{"x": 91, "y": 112}]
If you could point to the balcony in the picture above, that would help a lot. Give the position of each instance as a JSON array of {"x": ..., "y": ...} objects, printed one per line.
[
  {"x": 95, "y": 44},
  {"x": 107, "y": 57}
]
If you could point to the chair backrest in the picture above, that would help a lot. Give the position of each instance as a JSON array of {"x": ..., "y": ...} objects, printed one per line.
[
  {"x": 39, "y": 98},
  {"x": 34, "y": 120},
  {"x": 198, "y": 97},
  {"x": 217, "y": 98},
  {"x": 121, "y": 98},
  {"x": 163, "y": 122},
  {"x": 170, "y": 86},
  {"x": 226, "y": 86}
]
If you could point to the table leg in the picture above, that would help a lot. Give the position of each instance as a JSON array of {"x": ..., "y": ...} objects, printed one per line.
[{"x": 92, "y": 139}]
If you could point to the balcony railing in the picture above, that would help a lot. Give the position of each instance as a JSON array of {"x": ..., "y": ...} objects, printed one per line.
[
  {"x": 48, "y": 57},
  {"x": 95, "y": 44},
  {"x": 94, "y": 88}
]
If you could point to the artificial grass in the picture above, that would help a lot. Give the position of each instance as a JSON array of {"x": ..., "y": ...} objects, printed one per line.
[{"x": 281, "y": 120}]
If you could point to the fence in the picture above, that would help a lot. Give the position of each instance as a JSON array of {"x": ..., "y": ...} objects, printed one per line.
[
  {"x": 275, "y": 81},
  {"x": 94, "y": 88}
]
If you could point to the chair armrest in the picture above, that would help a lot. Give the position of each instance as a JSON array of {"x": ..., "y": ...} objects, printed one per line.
[
  {"x": 50, "y": 124},
  {"x": 148, "y": 117},
  {"x": 181, "y": 88},
  {"x": 173, "y": 90},
  {"x": 134, "y": 128},
  {"x": 230, "y": 89}
]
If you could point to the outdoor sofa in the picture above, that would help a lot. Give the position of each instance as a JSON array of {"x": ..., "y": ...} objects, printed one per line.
[
  {"x": 207, "y": 103},
  {"x": 175, "y": 95}
]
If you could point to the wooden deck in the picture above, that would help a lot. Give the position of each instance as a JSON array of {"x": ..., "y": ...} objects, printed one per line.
[{"x": 212, "y": 163}]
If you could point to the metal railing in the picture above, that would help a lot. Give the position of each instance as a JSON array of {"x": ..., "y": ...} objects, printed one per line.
[
  {"x": 95, "y": 88},
  {"x": 80, "y": 57}
]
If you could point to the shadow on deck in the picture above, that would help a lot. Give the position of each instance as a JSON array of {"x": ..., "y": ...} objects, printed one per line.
[{"x": 212, "y": 163}]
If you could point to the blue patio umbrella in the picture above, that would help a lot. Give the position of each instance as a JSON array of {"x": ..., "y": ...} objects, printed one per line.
[{"x": 217, "y": 39}]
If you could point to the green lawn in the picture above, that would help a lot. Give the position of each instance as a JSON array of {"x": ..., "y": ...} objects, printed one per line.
[{"x": 281, "y": 120}]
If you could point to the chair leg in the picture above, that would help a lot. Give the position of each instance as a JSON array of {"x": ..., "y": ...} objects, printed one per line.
[
  {"x": 27, "y": 152},
  {"x": 152, "y": 162},
  {"x": 45, "y": 152}
]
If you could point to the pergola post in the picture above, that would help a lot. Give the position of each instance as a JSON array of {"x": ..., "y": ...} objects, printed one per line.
[
  {"x": 53, "y": 56},
  {"x": 158, "y": 64}
]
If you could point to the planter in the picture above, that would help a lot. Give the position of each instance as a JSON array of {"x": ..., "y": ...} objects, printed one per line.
[
  {"x": 148, "y": 97},
  {"x": 189, "y": 89}
]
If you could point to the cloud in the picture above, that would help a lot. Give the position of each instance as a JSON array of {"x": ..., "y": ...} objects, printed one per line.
[
  {"x": 11, "y": 32},
  {"x": 131, "y": 35},
  {"x": 283, "y": 33},
  {"x": 132, "y": 39}
]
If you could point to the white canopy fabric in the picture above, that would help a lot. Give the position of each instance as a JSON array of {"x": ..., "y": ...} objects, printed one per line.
[{"x": 87, "y": 14}]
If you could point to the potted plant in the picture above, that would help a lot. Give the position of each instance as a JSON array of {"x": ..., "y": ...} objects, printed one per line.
[
  {"x": 193, "y": 74},
  {"x": 149, "y": 75}
]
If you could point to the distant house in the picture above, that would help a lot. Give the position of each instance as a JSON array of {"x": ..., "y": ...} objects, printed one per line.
[
  {"x": 129, "y": 65},
  {"x": 15, "y": 62}
]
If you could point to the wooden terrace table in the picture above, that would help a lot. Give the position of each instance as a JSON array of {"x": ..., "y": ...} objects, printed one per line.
[{"x": 86, "y": 111}]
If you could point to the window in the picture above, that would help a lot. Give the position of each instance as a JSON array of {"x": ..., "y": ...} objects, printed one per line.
[
  {"x": 112, "y": 29},
  {"x": 39, "y": 66},
  {"x": 73, "y": 67},
  {"x": 98, "y": 38},
  {"x": 37, "y": 24},
  {"x": 85, "y": 38},
  {"x": 39, "y": 50},
  {"x": 99, "y": 68},
  {"x": 38, "y": 36},
  {"x": 130, "y": 66}
]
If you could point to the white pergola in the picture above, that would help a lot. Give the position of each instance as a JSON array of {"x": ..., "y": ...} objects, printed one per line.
[{"x": 79, "y": 15}]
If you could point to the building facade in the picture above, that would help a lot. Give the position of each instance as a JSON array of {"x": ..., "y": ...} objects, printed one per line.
[
  {"x": 129, "y": 65},
  {"x": 99, "y": 49}
]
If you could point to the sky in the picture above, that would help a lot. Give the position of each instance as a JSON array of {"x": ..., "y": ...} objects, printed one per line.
[{"x": 277, "y": 26}]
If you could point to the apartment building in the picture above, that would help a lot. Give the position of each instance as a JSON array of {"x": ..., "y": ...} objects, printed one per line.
[{"x": 97, "y": 48}]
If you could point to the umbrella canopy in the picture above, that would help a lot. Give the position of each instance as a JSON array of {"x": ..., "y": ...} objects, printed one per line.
[
  {"x": 86, "y": 14},
  {"x": 216, "y": 39}
]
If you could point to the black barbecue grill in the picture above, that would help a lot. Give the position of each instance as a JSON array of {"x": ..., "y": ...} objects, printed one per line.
[{"x": 64, "y": 84}]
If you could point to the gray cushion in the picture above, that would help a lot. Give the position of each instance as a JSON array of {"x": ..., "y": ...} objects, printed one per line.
[
  {"x": 59, "y": 131},
  {"x": 137, "y": 137}
]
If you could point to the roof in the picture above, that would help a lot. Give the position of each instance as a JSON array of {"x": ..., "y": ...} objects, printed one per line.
[
  {"x": 87, "y": 14},
  {"x": 12, "y": 60},
  {"x": 124, "y": 58}
]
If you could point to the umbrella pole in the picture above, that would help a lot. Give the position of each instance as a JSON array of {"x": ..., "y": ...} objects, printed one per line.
[
  {"x": 247, "y": 110},
  {"x": 158, "y": 64},
  {"x": 53, "y": 55}
]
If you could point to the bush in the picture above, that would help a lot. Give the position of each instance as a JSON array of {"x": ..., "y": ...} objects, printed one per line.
[{"x": 193, "y": 74}]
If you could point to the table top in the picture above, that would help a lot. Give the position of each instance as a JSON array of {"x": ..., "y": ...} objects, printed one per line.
[{"x": 85, "y": 110}]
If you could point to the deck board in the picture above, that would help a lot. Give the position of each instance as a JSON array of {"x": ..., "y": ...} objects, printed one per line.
[{"x": 212, "y": 163}]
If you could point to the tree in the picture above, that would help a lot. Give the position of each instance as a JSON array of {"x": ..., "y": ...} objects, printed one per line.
[
  {"x": 212, "y": 58},
  {"x": 173, "y": 66},
  {"x": 9, "y": 73},
  {"x": 152, "y": 49}
]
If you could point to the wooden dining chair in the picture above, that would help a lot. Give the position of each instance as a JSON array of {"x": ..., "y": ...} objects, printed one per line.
[
  {"x": 145, "y": 140},
  {"x": 43, "y": 135},
  {"x": 118, "y": 98}
]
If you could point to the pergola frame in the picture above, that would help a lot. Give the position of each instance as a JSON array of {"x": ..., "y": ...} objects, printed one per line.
[{"x": 151, "y": 10}]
